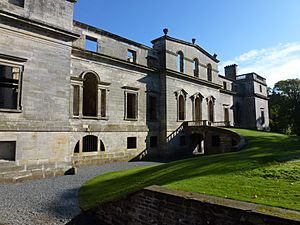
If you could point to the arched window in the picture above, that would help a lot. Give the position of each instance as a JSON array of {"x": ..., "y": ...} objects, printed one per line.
[
  {"x": 209, "y": 72},
  {"x": 198, "y": 109},
  {"x": 211, "y": 108},
  {"x": 90, "y": 95},
  {"x": 196, "y": 67},
  {"x": 89, "y": 143},
  {"x": 180, "y": 62},
  {"x": 181, "y": 108}
]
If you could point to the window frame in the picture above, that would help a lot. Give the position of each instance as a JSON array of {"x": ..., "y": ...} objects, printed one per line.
[
  {"x": 126, "y": 93},
  {"x": 20, "y": 66},
  {"x": 133, "y": 57}
]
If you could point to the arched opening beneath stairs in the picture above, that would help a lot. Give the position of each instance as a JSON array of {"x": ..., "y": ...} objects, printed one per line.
[
  {"x": 196, "y": 143},
  {"x": 89, "y": 143}
]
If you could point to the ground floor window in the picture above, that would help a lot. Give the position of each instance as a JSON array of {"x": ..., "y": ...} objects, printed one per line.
[
  {"x": 131, "y": 142},
  {"x": 10, "y": 87},
  {"x": 8, "y": 150},
  {"x": 89, "y": 143}
]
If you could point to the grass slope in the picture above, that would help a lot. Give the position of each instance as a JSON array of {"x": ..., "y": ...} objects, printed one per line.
[{"x": 266, "y": 172}]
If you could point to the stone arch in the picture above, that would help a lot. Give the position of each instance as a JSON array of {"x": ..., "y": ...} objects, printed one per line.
[
  {"x": 83, "y": 75},
  {"x": 90, "y": 95},
  {"x": 211, "y": 108},
  {"x": 89, "y": 143}
]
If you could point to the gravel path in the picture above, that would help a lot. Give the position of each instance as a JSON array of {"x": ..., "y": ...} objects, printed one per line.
[{"x": 49, "y": 201}]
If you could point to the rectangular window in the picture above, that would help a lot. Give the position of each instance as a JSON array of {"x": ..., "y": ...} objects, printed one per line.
[
  {"x": 91, "y": 44},
  {"x": 182, "y": 141},
  {"x": 153, "y": 141},
  {"x": 10, "y": 78},
  {"x": 8, "y": 150},
  {"x": 17, "y": 2},
  {"x": 103, "y": 103},
  {"x": 224, "y": 85},
  {"x": 260, "y": 88},
  {"x": 262, "y": 117},
  {"x": 131, "y": 56},
  {"x": 131, "y": 106},
  {"x": 131, "y": 142},
  {"x": 152, "y": 108},
  {"x": 76, "y": 100}
]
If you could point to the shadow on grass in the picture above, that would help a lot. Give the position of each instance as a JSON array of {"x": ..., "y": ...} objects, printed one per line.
[{"x": 263, "y": 150}]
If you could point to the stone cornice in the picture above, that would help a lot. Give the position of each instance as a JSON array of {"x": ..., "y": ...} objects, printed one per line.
[
  {"x": 192, "y": 79},
  {"x": 108, "y": 59},
  {"x": 32, "y": 25}
]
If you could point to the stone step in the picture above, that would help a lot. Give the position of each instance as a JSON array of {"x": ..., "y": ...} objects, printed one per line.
[
  {"x": 11, "y": 169},
  {"x": 4, "y": 164}
]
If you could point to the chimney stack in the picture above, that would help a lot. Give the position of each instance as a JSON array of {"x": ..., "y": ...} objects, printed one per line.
[{"x": 231, "y": 71}]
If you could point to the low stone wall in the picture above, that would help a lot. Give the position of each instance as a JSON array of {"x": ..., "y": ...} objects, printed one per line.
[
  {"x": 11, "y": 172},
  {"x": 161, "y": 206}
]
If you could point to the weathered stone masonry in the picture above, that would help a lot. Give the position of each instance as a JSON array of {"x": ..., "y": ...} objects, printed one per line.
[{"x": 73, "y": 94}]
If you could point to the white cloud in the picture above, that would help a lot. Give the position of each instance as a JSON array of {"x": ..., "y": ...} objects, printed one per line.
[{"x": 275, "y": 63}]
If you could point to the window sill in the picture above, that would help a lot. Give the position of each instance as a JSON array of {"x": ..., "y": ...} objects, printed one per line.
[
  {"x": 11, "y": 110},
  {"x": 90, "y": 118},
  {"x": 130, "y": 149},
  {"x": 131, "y": 119}
]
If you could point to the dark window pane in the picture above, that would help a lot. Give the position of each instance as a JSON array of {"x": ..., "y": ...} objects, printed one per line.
[{"x": 131, "y": 142}]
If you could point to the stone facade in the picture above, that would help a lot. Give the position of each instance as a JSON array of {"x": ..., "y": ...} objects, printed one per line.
[{"x": 75, "y": 94}]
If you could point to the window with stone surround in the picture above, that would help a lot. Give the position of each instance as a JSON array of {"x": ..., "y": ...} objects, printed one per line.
[
  {"x": 8, "y": 150},
  {"x": 91, "y": 44},
  {"x": 131, "y": 142},
  {"x": 131, "y": 56},
  {"x": 180, "y": 62},
  {"x": 10, "y": 87},
  {"x": 196, "y": 67},
  {"x": 20, "y": 3},
  {"x": 181, "y": 102},
  {"x": 209, "y": 72},
  {"x": 89, "y": 97},
  {"x": 131, "y": 104},
  {"x": 89, "y": 143}
]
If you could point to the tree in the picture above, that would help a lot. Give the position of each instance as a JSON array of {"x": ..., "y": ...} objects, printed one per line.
[{"x": 285, "y": 107}]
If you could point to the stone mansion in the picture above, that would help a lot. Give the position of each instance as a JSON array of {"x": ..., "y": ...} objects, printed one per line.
[{"x": 74, "y": 94}]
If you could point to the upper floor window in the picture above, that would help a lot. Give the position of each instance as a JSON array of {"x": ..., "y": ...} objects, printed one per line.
[
  {"x": 91, "y": 44},
  {"x": 181, "y": 101},
  {"x": 20, "y": 3},
  {"x": 260, "y": 88},
  {"x": 209, "y": 72},
  {"x": 131, "y": 56},
  {"x": 225, "y": 85},
  {"x": 89, "y": 96},
  {"x": 180, "y": 62},
  {"x": 131, "y": 105},
  {"x": 10, "y": 87},
  {"x": 196, "y": 67}
]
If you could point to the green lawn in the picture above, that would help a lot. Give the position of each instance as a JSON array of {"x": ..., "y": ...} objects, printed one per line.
[{"x": 266, "y": 172}]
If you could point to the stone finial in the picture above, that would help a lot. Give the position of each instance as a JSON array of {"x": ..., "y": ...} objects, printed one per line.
[
  {"x": 215, "y": 55},
  {"x": 165, "y": 31},
  {"x": 194, "y": 40}
]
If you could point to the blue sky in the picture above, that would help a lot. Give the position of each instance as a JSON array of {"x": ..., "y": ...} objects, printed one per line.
[{"x": 261, "y": 36}]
